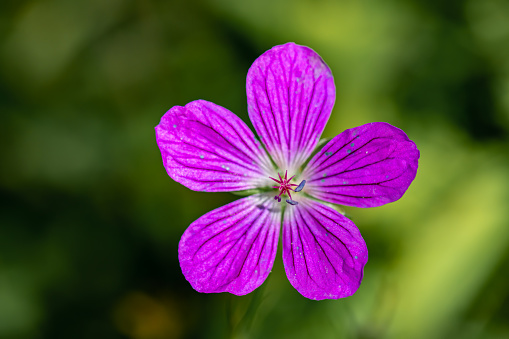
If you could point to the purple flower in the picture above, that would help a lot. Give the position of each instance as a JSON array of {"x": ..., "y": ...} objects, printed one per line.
[{"x": 205, "y": 147}]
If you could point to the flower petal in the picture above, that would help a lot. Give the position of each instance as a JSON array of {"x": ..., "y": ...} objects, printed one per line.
[
  {"x": 205, "y": 147},
  {"x": 232, "y": 248},
  {"x": 290, "y": 95},
  {"x": 366, "y": 166},
  {"x": 323, "y": 251}
]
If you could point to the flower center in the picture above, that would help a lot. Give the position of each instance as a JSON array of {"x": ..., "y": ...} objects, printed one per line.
[{"x": 285, "y": 187}]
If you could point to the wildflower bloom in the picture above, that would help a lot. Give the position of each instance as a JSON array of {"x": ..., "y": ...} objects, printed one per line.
[{"x": 205, "y": 147}]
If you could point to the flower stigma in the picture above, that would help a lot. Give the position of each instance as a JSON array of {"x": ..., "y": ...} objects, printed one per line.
[{"x": 285, "y": 187}]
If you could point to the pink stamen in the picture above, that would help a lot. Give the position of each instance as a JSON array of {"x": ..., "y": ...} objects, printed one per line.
[
  {"x": 275, "y": 180},
  {"x": 285, "y": 187}
]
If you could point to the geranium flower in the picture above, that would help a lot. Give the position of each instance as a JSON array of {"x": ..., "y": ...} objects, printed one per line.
[{"x": 205, "y": 147}]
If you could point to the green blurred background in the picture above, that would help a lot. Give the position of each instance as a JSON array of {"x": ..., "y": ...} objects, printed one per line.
[{"x": 90, "y": 221}]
